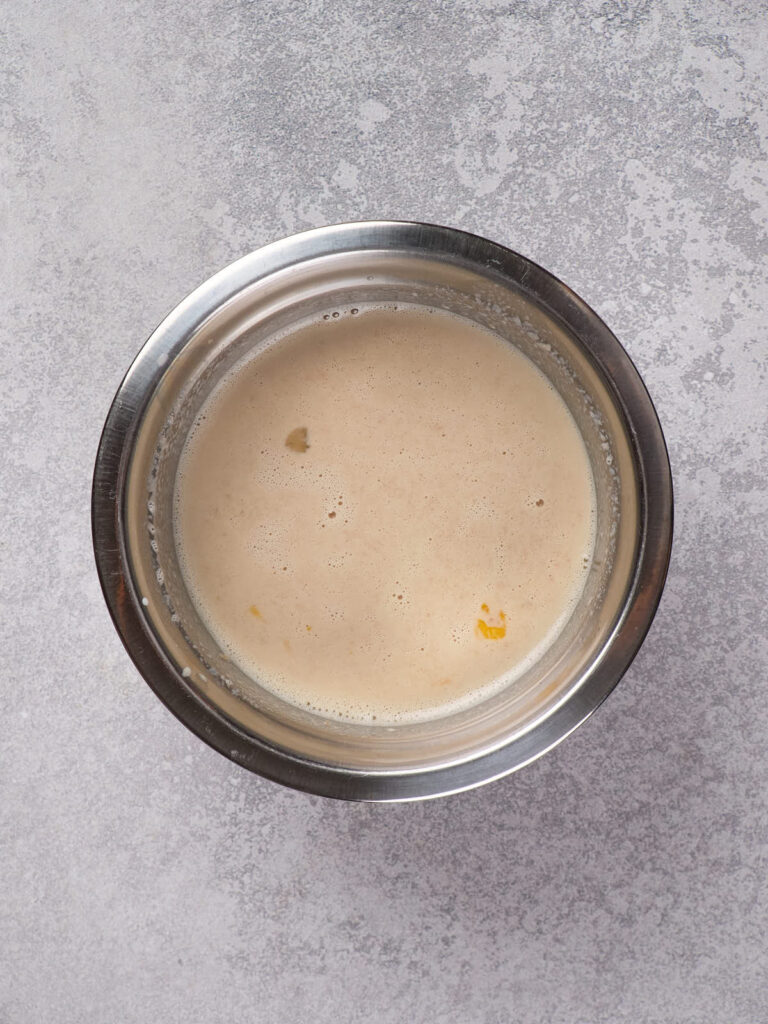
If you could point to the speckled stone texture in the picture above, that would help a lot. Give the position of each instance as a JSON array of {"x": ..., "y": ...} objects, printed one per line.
[{"x": 622, "y": 878}]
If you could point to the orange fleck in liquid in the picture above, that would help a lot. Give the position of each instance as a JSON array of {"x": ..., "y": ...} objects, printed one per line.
[
  {"x": 491, "y": 632},
  {"x": 255, "y": 612}
]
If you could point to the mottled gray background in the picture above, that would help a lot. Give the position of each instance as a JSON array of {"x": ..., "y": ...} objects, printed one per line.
[{"x": 144, "y": 878}]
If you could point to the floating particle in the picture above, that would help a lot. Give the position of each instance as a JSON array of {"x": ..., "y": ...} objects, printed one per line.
[
  {"x": 297, "y": 440},
  {"x": 490, "y": 631}
]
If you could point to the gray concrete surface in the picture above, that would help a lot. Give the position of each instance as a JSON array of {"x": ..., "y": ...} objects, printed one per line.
[{"x": 143, "y": 878}]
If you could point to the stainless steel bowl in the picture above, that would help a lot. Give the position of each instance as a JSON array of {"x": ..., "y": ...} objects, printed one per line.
[{"x": 307, "y": 275}]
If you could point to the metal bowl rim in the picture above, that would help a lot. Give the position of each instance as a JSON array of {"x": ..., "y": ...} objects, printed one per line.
[{"x": 123, "y": 421}]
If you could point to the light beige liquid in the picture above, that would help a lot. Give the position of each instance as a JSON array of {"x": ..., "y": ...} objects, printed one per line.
[{"x": 385, "y": 515}]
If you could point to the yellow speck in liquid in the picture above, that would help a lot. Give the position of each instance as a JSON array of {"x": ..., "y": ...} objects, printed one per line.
[
  {"x": 489, "y": 631},
  {"x": 255, "y": 612}
]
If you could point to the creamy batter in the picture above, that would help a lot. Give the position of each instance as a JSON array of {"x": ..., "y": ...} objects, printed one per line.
[{"x": 386, "y": 515}]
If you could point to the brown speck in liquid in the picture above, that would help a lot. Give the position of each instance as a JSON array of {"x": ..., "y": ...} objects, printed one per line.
[
  {"x": 331, "y": 515},
  {"x": 539, "y": 503},
  {"x": 297, "y": 440},
  {"x": 255, "y": 612}
]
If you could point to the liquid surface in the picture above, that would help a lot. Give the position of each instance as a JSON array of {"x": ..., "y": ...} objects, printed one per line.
[{"x": 385, "y": 515}]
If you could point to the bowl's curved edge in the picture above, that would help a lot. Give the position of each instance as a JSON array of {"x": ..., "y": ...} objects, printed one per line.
[{"x": 109, "y": 478}]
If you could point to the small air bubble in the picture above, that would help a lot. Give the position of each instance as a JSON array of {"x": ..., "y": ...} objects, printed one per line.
[{"x": 335, "y": 316}]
